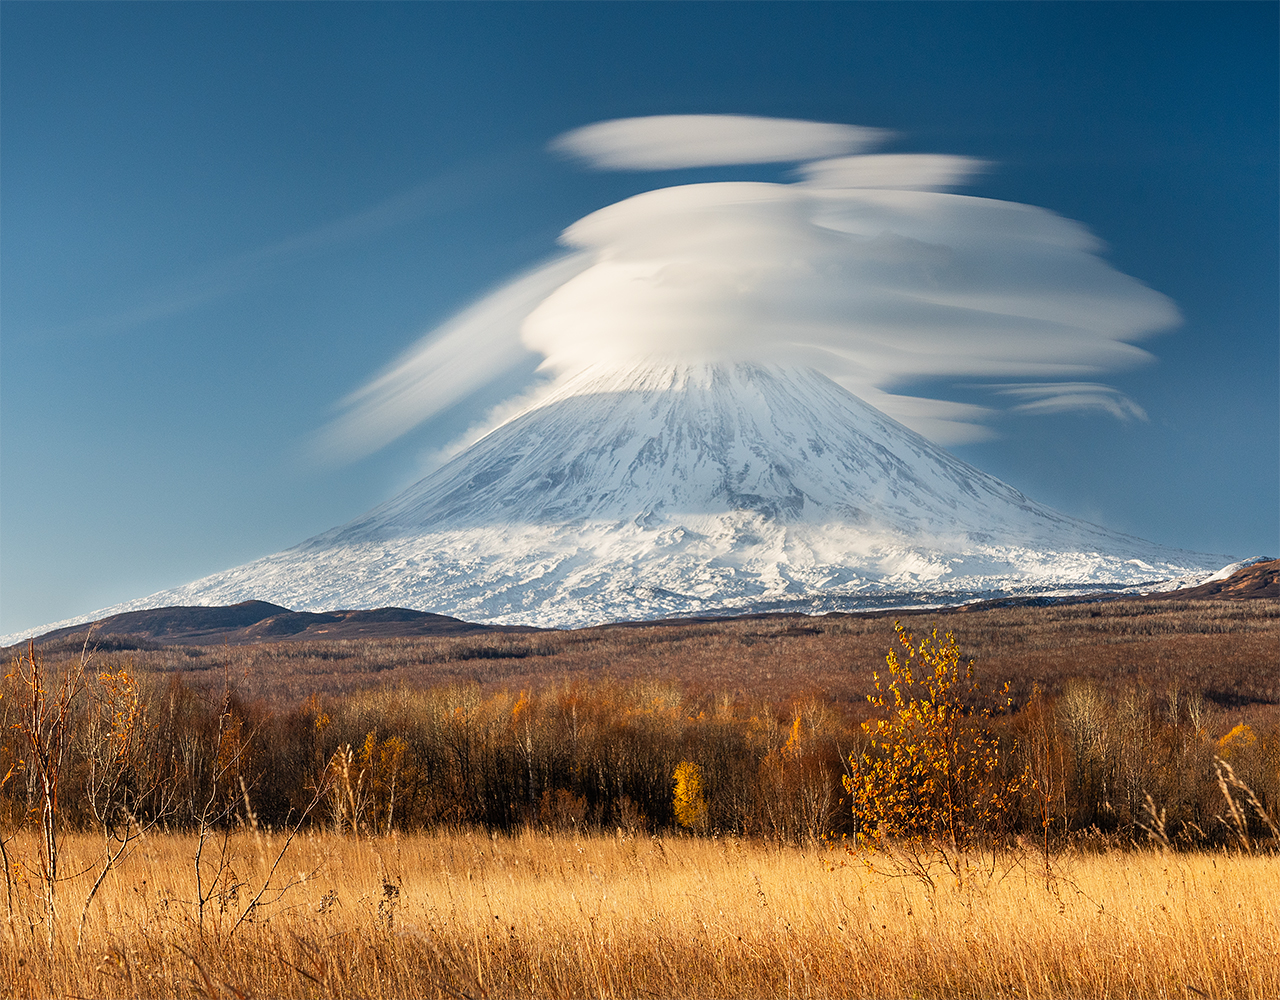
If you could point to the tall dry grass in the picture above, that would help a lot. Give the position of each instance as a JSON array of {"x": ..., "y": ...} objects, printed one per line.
[{"x": 537, "y": 915}]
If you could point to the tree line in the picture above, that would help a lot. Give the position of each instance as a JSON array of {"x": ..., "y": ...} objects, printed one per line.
[{"x": 120, "y": 751}]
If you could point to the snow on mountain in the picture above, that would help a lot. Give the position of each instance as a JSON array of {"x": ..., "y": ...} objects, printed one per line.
[
  {"x": 1227, "y": 571},
  {"x": 671, "y": 489}
]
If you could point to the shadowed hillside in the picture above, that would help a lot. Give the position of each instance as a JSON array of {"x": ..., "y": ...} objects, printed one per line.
[{"x": 260, "y": 621}]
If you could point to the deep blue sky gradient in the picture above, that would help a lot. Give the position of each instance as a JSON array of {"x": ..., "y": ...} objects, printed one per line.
[{"x": 188, "y": 284}]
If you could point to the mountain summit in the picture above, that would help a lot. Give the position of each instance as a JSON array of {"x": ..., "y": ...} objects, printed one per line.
[{"x": 654, "y": 490}]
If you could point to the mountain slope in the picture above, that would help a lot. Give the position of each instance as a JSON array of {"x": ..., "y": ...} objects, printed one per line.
[
  {"x": 658, "y": 490},
  {"x": 656, "y": 443},
  {"x": 259, "y": 621}
]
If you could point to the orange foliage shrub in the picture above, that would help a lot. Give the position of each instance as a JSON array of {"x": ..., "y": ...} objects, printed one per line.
[{"x": 926, "y": 782}]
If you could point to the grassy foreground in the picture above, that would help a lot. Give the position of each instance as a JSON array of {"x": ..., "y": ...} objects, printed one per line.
[{"x": 538, "y": 915}]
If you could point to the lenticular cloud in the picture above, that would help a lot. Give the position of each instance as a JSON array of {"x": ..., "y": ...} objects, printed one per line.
[
  {"x": 665, "y": 142},
  {"x": 865, "y": 267}
]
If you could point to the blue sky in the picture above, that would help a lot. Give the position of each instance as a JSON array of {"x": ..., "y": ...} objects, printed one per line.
[{"x": 217, "y": 221}]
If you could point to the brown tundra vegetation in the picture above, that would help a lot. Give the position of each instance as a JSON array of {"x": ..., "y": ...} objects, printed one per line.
[{"x": 684, "y": 809}]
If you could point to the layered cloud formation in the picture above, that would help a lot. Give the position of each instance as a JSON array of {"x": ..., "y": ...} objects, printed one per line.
[{"x": 864, "y": 267}]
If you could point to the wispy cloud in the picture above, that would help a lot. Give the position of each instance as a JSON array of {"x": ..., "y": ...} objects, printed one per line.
[
  {"x": 477, "y": 346},
  {"x": 862, "y": 269},
  {"x": 235, "y": 274},
  {"x": 1072, "y": 397}
]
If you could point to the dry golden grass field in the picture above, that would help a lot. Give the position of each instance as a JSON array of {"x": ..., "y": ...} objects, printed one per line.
[{"x": 457, "y": 914}]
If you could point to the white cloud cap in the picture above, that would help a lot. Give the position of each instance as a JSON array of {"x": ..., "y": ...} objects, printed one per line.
[
  {"x": 859, "y": 270},
  {"x": 668, "y": 142},
  {"x": 875, "y": 287}
]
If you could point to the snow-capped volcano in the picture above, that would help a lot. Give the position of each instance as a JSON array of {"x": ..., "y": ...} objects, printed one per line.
[
  {"x": 652, "y": 490},
  {"x": 660, "y": 446}
]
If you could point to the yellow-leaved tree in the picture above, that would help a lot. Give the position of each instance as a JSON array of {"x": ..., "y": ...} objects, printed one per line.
[
  {"x": 689, "y": 801},
  {"x": 926, "y": 787}
]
